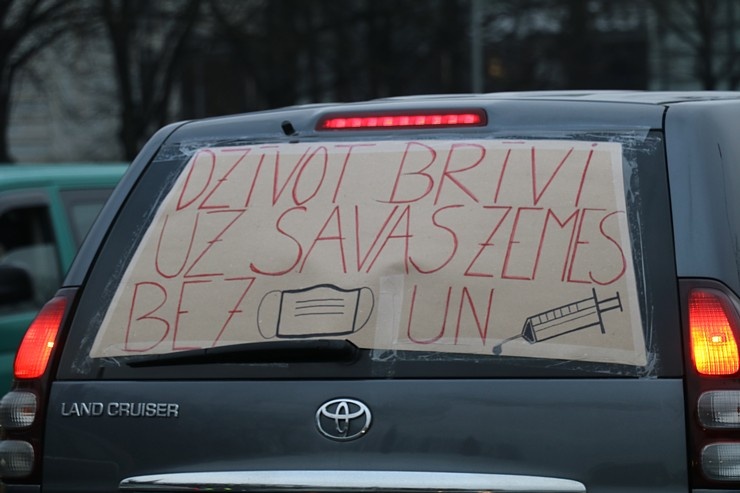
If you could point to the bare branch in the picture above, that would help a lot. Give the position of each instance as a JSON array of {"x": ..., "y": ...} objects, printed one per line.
[{"x": 667, "y": 13}]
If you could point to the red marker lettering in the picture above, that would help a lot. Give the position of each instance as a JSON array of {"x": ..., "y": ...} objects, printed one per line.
[
  {"x": 583, "y": 175},
  {"x": 482, "y": 330},
  {"x": 204, "y": 166},
  {"x": 203, "y": 205},
  {"x": 182, "y": 311},
  {"x": 513, "y": 241},
  {"x": 454, "y": 240},
  {"x": 487, "y": 243},
  {"x": 299, "y": 253},
  {"x": 578, "y": 242},
  {"x": 276, "y": 177},
  {"x": 536, "y": 196},
  {"x": 323, "y": 160},
  {"x": 337, "y": 236},
  {"x": 376, "y": 238},
  {"x": 447, "y": 174},
  {"x": 562, "y": 224},
  {"x": 432, "y": 156},
  {"x": 411, "y": 317},
  {"x": 213, "y": 241},
  {"x": 616, "y": 244},
  {"x": 249, "y": 281},
  {"x": 340, "y": 180},
  {"x": 145, "y": 292},
  {"x": 501, "y": 176},
  {"x": 405, "y": 234},
  {"x": 170, "y": 252}
]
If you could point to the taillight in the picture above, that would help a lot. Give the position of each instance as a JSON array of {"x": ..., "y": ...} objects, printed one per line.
[
  {"x": 721, "y": 461},
  {"x": 712, "y": 314},
  {"x": 22, "y": 410},
  {"x": 16, "y": 459},
  {"x": 18, "y": 410},
  {"x": 719, "y": 409},
  {"x": 34, "y": 352},
  {"x": 713, "y": 347},
  {"x": 395, "y": 120}
]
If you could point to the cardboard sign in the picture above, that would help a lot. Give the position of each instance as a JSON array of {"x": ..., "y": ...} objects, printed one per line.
[{"x": 482, "y": 247}]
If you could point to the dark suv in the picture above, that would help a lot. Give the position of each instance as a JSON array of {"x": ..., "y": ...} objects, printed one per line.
[{"x": 516, "y": 293}]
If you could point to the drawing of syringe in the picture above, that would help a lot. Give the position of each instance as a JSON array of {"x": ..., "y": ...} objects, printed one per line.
[{"x": 565, "y": 319}]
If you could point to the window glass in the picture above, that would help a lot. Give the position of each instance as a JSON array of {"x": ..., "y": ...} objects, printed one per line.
[
  {"x": 82, "y": 208},
  {"x": 542, "y": 266},
  {"x": 27, "y": 243}
]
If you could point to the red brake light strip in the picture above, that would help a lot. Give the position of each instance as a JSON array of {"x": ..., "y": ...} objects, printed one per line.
[{"x": 409, "y": 120}]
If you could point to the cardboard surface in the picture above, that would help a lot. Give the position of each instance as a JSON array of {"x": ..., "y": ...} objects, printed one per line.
[{"x": 485, "y": 247}]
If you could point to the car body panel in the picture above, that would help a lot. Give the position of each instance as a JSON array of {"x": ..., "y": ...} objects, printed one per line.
[
  {"x": 611, "y": 435},
  {"x": 704, "y": 178}
]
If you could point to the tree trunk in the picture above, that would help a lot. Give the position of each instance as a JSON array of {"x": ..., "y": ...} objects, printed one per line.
[
  {"x": 578, "y": 39},
  {"x": 5, "y": 103}
]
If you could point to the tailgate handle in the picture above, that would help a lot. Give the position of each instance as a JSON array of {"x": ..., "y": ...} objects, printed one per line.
[{"x": 348, "y": 481}]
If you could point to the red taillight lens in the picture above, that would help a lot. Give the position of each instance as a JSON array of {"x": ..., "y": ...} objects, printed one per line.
[
  {"x": 712, "y": 387},
  {"x": 35, "y": 349},
  {"x": 473, "y": 118},
  {"x": 713, "y": 346}
]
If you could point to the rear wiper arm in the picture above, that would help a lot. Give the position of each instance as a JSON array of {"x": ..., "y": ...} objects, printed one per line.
[{"x": 285, "y": 351}]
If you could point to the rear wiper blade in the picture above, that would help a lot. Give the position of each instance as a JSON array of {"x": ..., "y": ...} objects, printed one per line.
[{"x": 290, "y": 351}]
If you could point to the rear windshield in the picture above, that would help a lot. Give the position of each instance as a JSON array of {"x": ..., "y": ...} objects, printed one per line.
[{"x": 544, "y": 256}]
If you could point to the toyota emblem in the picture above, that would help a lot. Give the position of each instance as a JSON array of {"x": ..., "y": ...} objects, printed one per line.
[{"x": 343, "y": 419}]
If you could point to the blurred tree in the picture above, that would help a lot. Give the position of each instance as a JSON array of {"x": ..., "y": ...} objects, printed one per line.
[
  {"x": 604, "y": 44},
  {"x": 26, "y": 28},
  {"x": 265, "y": 38},
  {"x": 577, "y": 40},
  {"x": 565, "y": 44},
  {"x": 293, "y": 52},
  {"x": 149, "y": 41},
  {"x": 707, "y": 29}
]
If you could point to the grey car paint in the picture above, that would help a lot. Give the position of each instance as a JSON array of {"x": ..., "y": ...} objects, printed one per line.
[
  {"x": 701, "y": 142},
  {"x": 611, "y": 435}
]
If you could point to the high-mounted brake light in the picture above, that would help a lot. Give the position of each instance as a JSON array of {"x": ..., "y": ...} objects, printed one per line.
[
  {"x": 466, "y": 118},
  {"x": 34, "y": 352},
  {"x": 713, "y": 346}
]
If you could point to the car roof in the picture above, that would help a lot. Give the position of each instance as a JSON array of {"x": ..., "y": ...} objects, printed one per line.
[
  {"x": 644, "y": 97},
  {"x": 508, "y": 111},
  {"x": 62, "y": 175}
]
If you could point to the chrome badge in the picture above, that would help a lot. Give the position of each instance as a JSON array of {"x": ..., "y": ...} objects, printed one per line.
[{"x": 343, "y": 419}]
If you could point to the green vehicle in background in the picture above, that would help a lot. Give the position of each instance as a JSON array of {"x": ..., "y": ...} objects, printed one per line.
[{"x": 45, "y": 213}]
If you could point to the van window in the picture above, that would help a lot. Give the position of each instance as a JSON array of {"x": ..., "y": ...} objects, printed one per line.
[
  {"x": 425, "y": 255},
  {"x": 82, "y": 207},
  {"x": 27, "y": 242}
]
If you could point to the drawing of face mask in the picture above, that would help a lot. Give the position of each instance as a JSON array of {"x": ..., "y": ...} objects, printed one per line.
[{"x": 323, "y": 310}]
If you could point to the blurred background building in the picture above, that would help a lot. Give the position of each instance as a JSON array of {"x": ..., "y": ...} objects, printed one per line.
[{"x": 91, "y": 80}]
